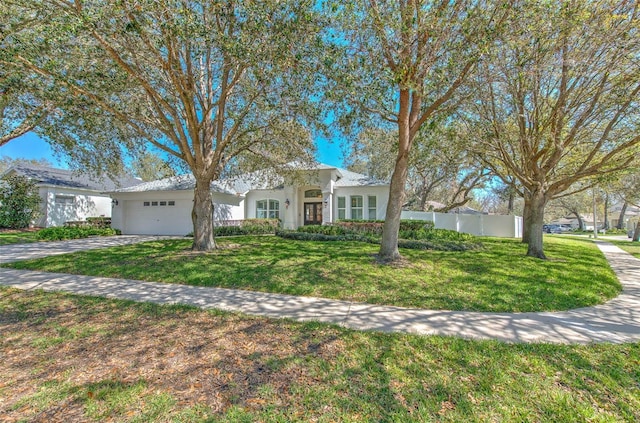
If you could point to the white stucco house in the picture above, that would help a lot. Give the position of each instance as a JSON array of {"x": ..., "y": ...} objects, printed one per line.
[
  {"x": 69, "y": 196},
  {"x": 317, "y": 195}
]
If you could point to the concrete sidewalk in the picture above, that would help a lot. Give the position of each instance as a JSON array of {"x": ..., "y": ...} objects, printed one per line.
[{"x": 617, "y": 321}]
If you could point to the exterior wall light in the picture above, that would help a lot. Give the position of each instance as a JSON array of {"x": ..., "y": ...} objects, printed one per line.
[
  {"x": 287, "y": 203},
  {"x": 114, "y": 202}
]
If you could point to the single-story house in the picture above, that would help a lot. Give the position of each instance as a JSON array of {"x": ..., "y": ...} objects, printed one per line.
[
  {"x": 306, "y": 196},
  {"x": 69, "y": 196}
]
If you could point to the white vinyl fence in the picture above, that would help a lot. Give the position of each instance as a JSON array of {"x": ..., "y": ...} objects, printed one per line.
[{"x": 476, "y": 224}]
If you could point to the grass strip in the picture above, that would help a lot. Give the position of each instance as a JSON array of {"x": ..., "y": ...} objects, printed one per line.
[
  {"x": 497, "y": 278},
  {"x": 121, "y": 361}
]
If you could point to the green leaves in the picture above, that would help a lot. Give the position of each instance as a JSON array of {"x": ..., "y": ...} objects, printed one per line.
[{"x": 19, "y": 202}]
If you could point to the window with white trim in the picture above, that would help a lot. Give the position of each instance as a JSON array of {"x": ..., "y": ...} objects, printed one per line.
[
  {"x": 373, "y": 208},
  {"x": 268, "y": 209},
  {"x": 356, "y": 207},
  {"x": 313, "y": 193},
  {"x": 342, "y": 208}
]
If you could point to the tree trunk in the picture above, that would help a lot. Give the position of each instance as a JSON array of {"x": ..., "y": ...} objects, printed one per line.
[
  {"x": 526, "y": 218},
  {"x": 623, "y": 211},
  {"x": 510, "y": 202},
  {"x": 533, "y": 226},
  {"x": 202, "y": 216},
  {"x": 389, "y": 246},
  {"x": 580, "y": 221},
  {"x": 606, "y": 212},
  {"x": 636, "y": 233}
]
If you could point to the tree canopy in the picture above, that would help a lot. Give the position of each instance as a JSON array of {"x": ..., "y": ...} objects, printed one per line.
[
  {"x": 558, "y": 100},
  {"x": 203, "y": 81}
]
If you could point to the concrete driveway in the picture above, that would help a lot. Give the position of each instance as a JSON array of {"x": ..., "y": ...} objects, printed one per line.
[{"x": 14, "y": 252}]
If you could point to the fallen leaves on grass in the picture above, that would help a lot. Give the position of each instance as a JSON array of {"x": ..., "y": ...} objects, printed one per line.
[{"x": 194, "y": 357}]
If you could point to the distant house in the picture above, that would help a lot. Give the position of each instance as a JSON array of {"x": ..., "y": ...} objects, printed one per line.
[
  {"x": 69, "y": 196},
  {"x": 631, "y": 216},
  {"x": 308, "y": 196}
]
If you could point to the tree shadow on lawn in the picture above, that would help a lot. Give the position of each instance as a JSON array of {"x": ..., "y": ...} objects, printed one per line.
[
  {"x": 219, "y": 364},
  {"x": 499, "y": 278},
  {"x": 505, "y": 279}
]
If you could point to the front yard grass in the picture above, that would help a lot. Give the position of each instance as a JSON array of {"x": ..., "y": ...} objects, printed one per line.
[
  {"x": 69, "y": 358},
  {"x": 16, "y": 236},
  {"x": 498, "y": 278},
  {"x": 632, "y": 248}
]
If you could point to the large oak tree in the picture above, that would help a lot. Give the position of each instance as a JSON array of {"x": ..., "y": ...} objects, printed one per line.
[
  {"x": 558, "y": 103},
  {"x": 402, "y": 63},
  {"x": 203, "y": 81}
]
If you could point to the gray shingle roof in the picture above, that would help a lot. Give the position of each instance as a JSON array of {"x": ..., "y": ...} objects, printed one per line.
[
  {"x": 63, "y": 178},
  {"x": 174, "y": 183},
  {"x": 243, "y": 183}
]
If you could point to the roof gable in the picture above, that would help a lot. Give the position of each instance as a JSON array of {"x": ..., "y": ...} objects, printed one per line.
[
  {"x": 63, "y": 178},
  {"x": 250, "y": 181}
]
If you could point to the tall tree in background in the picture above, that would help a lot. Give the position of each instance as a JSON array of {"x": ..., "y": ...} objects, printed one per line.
[
  {"x": 19, "y": 202},
  {"x": 7, "y": 162},
  {"x": 559, "y": 101},
  {"x": 403, "y": 62},
  {"x": 203, "y": 81},
  {"x": 440, "y": 167},
  {"x": 149, "y": 166}
]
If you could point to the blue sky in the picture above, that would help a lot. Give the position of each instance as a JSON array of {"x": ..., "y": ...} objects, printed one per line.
[{"x": 30, "y": 146}]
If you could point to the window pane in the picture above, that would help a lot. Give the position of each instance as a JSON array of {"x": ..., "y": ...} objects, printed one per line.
[
  {"x": 274, "y": 205},
  {"x": 341, "y": 203},
  {"x": 313, "y": 193},
  {"x": 342, "y": 214},
  {"x": 356, "y": 201},
  {"x": 372, "y": 201},
  {"x": 356, "y": 214}
]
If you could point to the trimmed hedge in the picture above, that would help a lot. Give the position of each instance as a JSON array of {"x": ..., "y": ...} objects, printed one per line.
[
  {"x": 247, "y": 227},
  {"x": 435, "y": 235},
  {"x": 64, "y": 233},
  {"x": 409, "y": 229},
  {"x": 439, "y": 245},
  {"x": 405, "y": 224}
]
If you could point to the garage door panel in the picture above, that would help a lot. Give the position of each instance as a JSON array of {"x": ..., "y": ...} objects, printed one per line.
[{"x": 158, "y": 220}]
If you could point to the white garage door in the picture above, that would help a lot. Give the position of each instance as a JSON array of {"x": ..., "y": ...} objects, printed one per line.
[{"x": 158, "y": 217}]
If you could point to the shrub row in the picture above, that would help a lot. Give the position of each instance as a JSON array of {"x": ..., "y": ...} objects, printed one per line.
[
  {"x": 63, "y": 233},
  {"x": 405, "y": 224},
  {"x": 247, "y": 227},
  {"x": 435, "y": 235},
  {"x": 439, "y": 245},
  {"x": 410, "y": 230}
]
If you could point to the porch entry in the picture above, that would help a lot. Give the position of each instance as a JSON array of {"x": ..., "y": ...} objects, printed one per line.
[{"x": 313, "y": 213}]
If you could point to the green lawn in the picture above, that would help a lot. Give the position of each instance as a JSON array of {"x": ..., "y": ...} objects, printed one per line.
[
  {"x": 68, "y": 358},
  {"x": 17, "y": 237},
  {"x": 498, "y": 278}
]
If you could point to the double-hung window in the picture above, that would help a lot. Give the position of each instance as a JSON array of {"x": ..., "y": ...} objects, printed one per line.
[
  {"x": 356, "y": 207},
  {"x": 268, "y": 209},
  {"x": 372, "y": 203},
  {"x": 342, "y": 208}
]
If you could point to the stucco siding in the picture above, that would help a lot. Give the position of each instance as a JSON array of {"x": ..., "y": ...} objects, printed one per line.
[{"x": 63, "y": 205}]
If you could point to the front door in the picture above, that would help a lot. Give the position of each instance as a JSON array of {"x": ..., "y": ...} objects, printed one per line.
[{"x": 313, "y": 213}]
